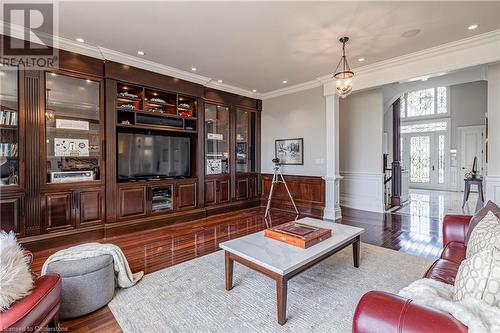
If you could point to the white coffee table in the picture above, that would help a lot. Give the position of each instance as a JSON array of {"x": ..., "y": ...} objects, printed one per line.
[{"x": 281, "y": 261}]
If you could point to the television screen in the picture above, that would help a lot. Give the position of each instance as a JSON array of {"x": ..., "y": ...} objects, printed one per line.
[{"x": 142, "y": 156}]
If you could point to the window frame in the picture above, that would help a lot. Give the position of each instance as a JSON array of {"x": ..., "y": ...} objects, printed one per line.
[{"x": 404, "y": 111}]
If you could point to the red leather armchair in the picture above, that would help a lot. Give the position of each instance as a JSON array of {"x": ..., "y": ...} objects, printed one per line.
[
  {"x": 384, "y": 312},
  {"x": 37, "y": 310}
]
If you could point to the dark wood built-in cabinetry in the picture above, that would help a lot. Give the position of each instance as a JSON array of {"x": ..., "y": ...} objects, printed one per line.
[{"x": 59, "y": 150}]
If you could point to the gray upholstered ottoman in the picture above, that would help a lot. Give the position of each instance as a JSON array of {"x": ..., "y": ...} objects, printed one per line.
[{"x": 87, "y": 284}]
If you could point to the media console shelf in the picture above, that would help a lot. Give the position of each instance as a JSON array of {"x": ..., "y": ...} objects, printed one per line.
[{"x": 145, "y": 108}]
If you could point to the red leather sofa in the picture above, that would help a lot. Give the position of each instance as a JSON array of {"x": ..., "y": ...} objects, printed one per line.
[
  {"x": 36, "y": 311},
  {"x": 384, "y": 312}
]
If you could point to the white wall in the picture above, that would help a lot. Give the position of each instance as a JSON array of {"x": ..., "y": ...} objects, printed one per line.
[
  {"x": 298, "y": 115},
  {"x": 468, "y": 107},
  {"x": 493, "y": 176},
  {"x": 361, "y": 129}
]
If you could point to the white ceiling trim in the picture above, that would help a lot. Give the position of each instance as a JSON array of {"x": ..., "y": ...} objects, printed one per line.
[
  {"x": 292, "y": 89},
  {"x": 99, "y": 52},
  {"x": 468, "y": 52},
  {"x": 477, "y": 50}
]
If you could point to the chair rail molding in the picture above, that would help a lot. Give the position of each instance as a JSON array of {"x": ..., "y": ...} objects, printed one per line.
[
  {"x": 332, "y": 178},
  {"x": 493, "y": 189},
  {"x": 362, "y": 190}
]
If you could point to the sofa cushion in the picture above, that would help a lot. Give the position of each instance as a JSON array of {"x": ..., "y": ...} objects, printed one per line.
[
  {"x": 479, "y": 277},
  {"x": 16, "y": 280},
  {"x": 443, "y": 270},
  {"x": 480, "y": 214},
  {"x": 454, "y": 251},
  {"x": 485, "y": 235}
]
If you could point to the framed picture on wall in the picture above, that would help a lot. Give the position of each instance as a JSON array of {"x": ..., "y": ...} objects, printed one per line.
[{"x": 290, "y": 151}]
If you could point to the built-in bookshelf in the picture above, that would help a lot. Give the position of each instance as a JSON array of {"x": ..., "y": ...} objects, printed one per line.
[
  {"x": 145, "y": 108},
  {"x": 9, "y": 126}
]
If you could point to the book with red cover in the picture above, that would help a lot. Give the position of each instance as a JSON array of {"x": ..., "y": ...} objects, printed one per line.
[{"x": 298, "y": 234}]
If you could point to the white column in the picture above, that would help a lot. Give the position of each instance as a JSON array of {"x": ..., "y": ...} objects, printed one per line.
[
  {"x": 493, "y": 172},
  {"x": 332, "y": 178}
]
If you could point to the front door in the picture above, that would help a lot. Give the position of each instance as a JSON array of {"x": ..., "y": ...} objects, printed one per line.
[{"x": 424, "y": 154}]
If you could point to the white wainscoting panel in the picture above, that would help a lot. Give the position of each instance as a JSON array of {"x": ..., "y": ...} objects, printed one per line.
[
  {"x": 493, "y": 189},
  {"x": 364, "y": 191}
]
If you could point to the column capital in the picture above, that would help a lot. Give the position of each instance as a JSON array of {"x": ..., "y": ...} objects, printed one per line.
[{"x": 329, "y": 88}]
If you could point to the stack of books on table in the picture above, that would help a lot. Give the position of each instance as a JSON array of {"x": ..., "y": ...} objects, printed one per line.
[{"x": 298, "y": 234}]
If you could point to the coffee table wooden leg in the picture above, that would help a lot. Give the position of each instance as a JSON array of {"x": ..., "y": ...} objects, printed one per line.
[
  {"x": 229, "y": 264},
  {"x": 355, "y": 251},
  {"x": 281, "y": 291}
]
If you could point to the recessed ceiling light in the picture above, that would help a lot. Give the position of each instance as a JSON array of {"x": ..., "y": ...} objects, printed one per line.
[
  {"x": 473, "y": 27},
  {"x": 81, "y": 40},
  {"x": 361, "y": 59},
  {"x": 140, "y": 52},
  {"x": 220, "y": 81},
  {"x": 285, "y": 81},
  {"x": 255, "y": 90},
  {"x": 424, "y": 79},
  {"x": 193, "y": 69}
]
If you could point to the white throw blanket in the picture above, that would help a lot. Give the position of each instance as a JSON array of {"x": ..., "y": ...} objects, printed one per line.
[
  {"x": 477, "y": 315},
  {"x": 123, "y": 274}
]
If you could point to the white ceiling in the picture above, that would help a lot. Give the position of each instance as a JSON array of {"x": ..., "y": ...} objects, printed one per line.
[{"x": 257, "y": 45}]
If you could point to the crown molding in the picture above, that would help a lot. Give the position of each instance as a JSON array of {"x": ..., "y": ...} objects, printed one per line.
[
  {"x": 468, "y": 52},
  {"x": 17, "y": 31},
  {"x": 292, "y": 89}
]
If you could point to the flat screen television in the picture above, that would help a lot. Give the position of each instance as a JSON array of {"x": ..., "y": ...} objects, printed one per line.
[{"x": 145, "y": 156}]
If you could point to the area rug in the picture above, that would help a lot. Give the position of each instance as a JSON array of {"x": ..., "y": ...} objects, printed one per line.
[{"x": 190, "y": 297}]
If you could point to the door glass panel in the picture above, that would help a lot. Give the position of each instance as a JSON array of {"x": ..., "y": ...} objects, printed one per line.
[
  {"x": 420, "y": 159},
  {"x": 441, "y": 159},
  {"x": 73, "y": 139},
  {"x": 9, "y": 126},
  {"x": 424, "y": 127},
  {"x": 242, "y": 141},
  {"x": 216, "y": 139}
]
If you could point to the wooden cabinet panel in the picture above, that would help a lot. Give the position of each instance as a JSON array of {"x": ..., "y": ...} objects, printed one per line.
[
  {"x": 252, "y": 187},
  {"x": 186, "y": 196},
  {"x": 11, "y": 215},
  {"x": 210, "y": 192},
  {"x": 224, "y": 191},
  {"x": 132, "y": 201},
  {"x": 58, "y": 211},
  {"x": 242, "y": 188},
  {"x": 91, "y": 206}
]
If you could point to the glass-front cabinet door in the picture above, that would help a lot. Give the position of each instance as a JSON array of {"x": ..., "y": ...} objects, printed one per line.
[
  {"x": 245, "y": 140},
  {"x": 216, "y": 139},
  {"x": 72, "y": 129},
  {"x": 9, "y": 126}
]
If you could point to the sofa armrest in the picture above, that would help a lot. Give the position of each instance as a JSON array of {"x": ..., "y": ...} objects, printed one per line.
[
  {"x": 384, "y": 312},
  {"x": 455, "y": 228},
  {"x": 36, "y": 309}
]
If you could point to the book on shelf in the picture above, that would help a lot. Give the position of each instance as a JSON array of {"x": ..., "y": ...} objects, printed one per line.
[
  {"x": 298, "y": 234},
  {"x": 8, "y": 117},
  {"x": 8, "y": 149}
]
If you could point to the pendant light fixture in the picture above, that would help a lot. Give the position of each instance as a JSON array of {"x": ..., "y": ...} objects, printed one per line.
[{"x": 343, "y": 74}]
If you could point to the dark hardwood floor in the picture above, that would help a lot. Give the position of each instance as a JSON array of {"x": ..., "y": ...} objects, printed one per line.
[{"x": 153, "y": 250}]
